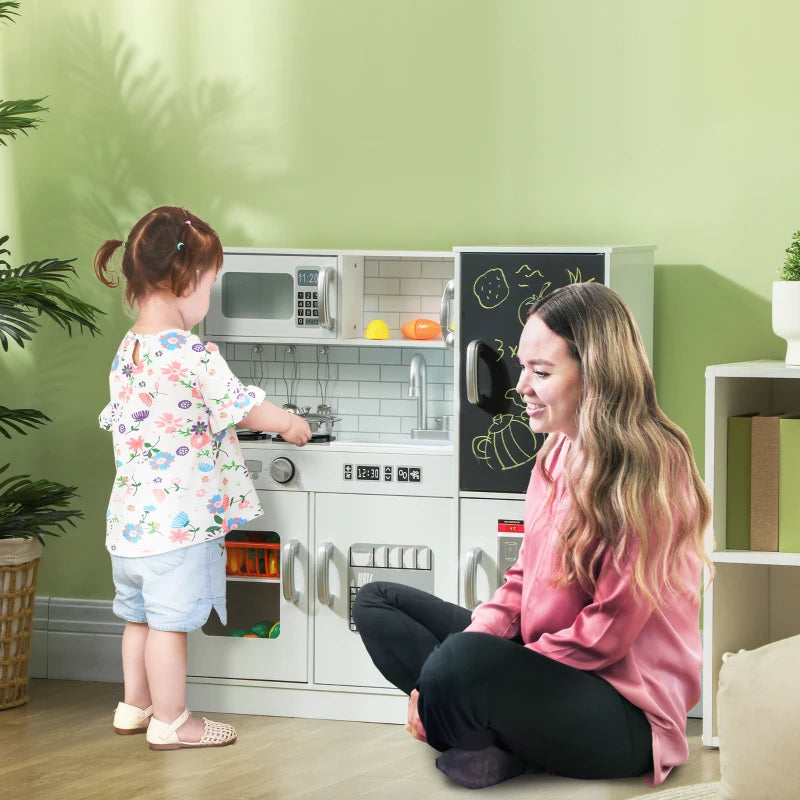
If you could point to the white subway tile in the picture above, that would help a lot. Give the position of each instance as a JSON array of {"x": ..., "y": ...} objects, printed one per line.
[
  {"x": 444, "y": 269},
  {"x": 359, "y": 372},
  {"x": 380, "y": 389},
  {"x": 402, "y": 268},
  {"x": 399, "y": 408},
  {"x": 433, "y": 357},
  {"x": 382, "y": 286},
  {"x": 422, "y": 286},
  {"x": 370, "y": 302},
  {"x": 379, "y": 355},
  {"x": 398, "y": 303},
  {"x": 356, "y": 405},
  {"x": 370, "y": 268},
  {"x": 379, "y": 424}
]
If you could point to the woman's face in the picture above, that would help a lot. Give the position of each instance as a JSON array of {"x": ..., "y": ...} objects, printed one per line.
[{"x": 550, "y": 381}]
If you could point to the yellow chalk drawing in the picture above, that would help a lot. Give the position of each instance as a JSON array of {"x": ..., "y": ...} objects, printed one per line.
[
  {"x": 514, "y": 396},
  {"x": 529, "y": 273},
  {"x": 491, "y": 288},
  {"x": 575, "y": 277},
  {"x": 522, "y": 311},
  {"x": 508, "y": 444}
]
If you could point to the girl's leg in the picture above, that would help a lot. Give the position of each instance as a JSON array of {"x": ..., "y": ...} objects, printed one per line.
[
  {"x": 479, "y": 691},
  {"x": 166, "y": 660},
  {"x": 134, "y": 640},
  {"x": 400, "y": 627}
]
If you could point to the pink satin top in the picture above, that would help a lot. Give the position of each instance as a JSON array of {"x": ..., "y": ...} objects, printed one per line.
[{"x": 651, "y": 657}]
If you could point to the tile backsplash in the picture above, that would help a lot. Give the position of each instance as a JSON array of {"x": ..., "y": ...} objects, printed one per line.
[{"x": 365, "y": 385}]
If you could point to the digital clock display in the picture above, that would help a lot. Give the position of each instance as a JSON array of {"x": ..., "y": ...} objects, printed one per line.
[
  {"x": 307, "y": 277},
  {"x": 368, "y": 473}
]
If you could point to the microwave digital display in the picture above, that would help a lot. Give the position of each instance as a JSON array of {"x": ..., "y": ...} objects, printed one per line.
[{"x": 307, "y": 277}]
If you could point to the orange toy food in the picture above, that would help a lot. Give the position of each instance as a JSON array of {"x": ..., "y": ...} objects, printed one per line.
[{"x": 421, "y": 329}]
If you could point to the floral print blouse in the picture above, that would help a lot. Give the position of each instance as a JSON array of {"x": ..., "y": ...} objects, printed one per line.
[{"x": 181, "y": 477}]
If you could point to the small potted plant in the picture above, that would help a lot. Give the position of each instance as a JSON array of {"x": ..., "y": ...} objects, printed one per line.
[
  {"x": 29, "y": 509},
  {"x": 786, "y": 301}
]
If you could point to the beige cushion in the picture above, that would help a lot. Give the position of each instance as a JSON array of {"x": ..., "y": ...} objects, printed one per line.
[{"x": 758, "y": 721}]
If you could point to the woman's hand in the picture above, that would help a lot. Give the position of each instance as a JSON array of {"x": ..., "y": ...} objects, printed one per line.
[{"x": 414, "y": 725}]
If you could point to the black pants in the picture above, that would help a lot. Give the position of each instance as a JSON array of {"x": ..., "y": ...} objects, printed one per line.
[{"x": 476, "y": 689}]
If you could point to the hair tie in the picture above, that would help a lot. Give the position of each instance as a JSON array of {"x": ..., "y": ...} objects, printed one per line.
[
  {"x": 180, "y": 244},
  {"x": 188, "y": 222}
]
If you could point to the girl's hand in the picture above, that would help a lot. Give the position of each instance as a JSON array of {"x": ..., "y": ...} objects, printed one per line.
[
  {"x": 297, "y": 432},
  {"x": 414, "y": 725}
]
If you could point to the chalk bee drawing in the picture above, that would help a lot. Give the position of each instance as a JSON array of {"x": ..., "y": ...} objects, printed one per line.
[
  {"x": 491, "y": 288},
  {"x": 509, "y": 443}
]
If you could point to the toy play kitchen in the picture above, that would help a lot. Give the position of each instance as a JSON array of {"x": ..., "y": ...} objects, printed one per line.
[{"x": 439, "y": 510}]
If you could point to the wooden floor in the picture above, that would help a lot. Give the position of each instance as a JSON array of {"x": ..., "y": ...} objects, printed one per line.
[{"x": 60, "y": 746}]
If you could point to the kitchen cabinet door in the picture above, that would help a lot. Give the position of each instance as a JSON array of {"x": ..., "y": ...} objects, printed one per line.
[
  {"x": 214, "y": 652},
  {"x": 413, "y": 536},
  {"x": 495, "y": 290},
  {"x": 490, "y": 534}
]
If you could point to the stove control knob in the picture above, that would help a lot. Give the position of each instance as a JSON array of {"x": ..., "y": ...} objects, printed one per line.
[{"x": 282, "y": 469}]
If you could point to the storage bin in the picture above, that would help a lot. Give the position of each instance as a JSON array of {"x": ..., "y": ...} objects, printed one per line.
[{"x": 253, "y": 559}]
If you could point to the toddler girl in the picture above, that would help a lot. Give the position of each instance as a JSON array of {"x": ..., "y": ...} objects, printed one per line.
[{"x": 181, "y": 483}]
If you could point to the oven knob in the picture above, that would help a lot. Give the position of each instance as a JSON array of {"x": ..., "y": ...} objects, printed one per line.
[{"x": 282, "y": 469}]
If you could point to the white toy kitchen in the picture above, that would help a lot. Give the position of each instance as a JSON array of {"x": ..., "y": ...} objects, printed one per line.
[{"x": 417, "y": 474}]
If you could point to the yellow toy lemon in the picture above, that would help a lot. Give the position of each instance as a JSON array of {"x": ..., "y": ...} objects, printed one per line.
[{"x": 377, "y": 329}]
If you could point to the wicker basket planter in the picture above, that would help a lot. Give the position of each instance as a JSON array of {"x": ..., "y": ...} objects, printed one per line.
[{"x": 19, "y": 565}]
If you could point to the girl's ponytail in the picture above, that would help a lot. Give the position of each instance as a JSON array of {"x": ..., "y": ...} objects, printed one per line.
[{"x": 101, "y": 262}]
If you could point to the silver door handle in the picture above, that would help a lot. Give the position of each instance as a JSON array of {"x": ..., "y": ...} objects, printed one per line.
[
  {"x": 324, "y": 281},
  {"x": 446, "y": 313},
  {"x": 324, "y": 555},
  {"x": 471, "y": 576},
  {"x": 473, "y": 354},
  {"x": 289, "y": 554}
]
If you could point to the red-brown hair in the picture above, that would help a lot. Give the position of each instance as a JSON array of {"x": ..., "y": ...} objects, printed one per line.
[{"x": 168, "y": 248}]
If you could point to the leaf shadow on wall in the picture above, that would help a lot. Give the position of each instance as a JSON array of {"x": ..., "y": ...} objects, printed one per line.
[
  {"x": 703, "y": 318},
  {"x": 139, "y": 138}
]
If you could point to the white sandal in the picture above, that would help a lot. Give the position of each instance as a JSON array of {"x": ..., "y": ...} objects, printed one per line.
[
  {"x": 163, "y": 735},
  {"x": 131, "y": 719}
]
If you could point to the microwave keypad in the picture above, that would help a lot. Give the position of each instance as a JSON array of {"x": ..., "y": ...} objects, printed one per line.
[{"x": 307, "y": 307}]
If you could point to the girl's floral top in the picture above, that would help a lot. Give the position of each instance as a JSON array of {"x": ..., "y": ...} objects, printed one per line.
[{"x": 181, "y": 477}]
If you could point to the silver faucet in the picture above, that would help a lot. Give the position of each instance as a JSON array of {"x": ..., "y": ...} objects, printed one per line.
[{"x": 418, "y": 387}]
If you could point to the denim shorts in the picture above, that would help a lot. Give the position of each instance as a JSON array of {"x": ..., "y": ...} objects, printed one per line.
[{"x": 173, "y": 591}]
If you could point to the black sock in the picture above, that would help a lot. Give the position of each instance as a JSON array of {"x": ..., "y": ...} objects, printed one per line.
[{"x": 475, "y": 769}]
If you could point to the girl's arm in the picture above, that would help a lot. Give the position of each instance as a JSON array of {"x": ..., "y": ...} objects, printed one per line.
[{"x": 267, "y": 416}]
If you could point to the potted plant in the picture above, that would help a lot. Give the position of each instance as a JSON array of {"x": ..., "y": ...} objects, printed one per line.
[
  {"x": 29, "y": 509},
  {"x": 786, "y": 301}
]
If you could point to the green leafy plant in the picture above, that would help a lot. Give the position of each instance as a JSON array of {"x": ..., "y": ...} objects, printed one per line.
[
  {"x": 790, "y": 271},
  {"x": 33, "y": 508}
]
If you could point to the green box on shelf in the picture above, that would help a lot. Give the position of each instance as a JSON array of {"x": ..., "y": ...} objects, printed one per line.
[
  {"x": 789, "y": 497},
  {"x": 737, "y": 535}
]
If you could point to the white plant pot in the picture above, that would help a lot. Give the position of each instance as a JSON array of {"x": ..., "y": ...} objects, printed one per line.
[{"x": 786, "y": 317}]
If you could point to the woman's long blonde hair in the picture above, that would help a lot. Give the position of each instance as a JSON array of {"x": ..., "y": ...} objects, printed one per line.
[{"x": 630, "y": 472}]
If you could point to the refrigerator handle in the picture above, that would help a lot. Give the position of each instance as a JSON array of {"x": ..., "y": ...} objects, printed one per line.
[
  {"x": 289, "y": 554},
  {"x": 324, "y": 555},
  {"x": 324, "y": 280},
  {"x": 473, "y": 354},
  {"x": 446, "y": 313},
  {"x": 471, "y": 575}
]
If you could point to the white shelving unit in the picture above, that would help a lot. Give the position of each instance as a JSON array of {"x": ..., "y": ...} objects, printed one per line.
[{"x": 754, "y": 598}]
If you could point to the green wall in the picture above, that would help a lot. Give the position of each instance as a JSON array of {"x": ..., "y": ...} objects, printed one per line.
[{"x": 416, "y": 124}]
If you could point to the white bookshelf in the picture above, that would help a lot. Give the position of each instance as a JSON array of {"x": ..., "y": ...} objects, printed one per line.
[{"x": 755, "y": 596}]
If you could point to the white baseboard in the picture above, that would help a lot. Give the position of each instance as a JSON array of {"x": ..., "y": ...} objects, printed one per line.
[
  {"x": 76, "y": 640},
  {"x": 82, "y": 640}
]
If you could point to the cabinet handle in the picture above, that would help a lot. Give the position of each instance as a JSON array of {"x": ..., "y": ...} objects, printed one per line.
[
  {"x": 324, "y": 281},
  {"x": 473, "y": 354},
  {"x": 446, "y": 313},
  {"x": 471, "y": 575},
  {"x": 324, "y": 555},
  {"x": 289, "y": 554}
]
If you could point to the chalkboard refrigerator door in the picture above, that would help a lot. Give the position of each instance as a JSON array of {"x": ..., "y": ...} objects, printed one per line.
[{"x": 497, "y": 448}]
